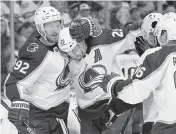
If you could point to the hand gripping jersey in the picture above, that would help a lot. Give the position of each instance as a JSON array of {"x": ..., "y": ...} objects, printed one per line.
[
  {"x": 156, "y": 74},
  {"x": 40, "y": 76}
]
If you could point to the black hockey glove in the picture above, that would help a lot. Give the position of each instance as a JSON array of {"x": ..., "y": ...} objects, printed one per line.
[
  {"x": 19, "y": 112},
  {"x": 141, "y": 45},
  {"x": 100, "y": 122},
  {"x": 80, "y": 29}
]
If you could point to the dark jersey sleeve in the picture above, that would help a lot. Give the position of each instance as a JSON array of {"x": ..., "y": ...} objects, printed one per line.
[
  {"x": 109, "y": 36},
  {"x": 29, "y": 62}
]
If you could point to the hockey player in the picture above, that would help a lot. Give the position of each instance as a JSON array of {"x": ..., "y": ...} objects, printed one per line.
[
  {"x": 38, "y": 87},
  {"x": 91, "y": 98},
  {"x": 144, "y": 39},
  {"x": 125, "y": 65},
  {"x": 98, "y": 37},
  {"x": 157, "y": 74}
]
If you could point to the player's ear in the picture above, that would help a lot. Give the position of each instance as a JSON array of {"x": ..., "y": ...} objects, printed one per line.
[{"x": 163, "y": 38}]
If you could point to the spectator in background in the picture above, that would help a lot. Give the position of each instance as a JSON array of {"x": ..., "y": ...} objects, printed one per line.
[
  {"x": 42, "y": 3},
  {"x": 168, "y": 8},
  {"x": 22, "y": 35},
  {"x": 5, "y": 13},
  {"x": 73, "y": 10},
  {"x": 26, "y": 29},
  {"x": 62, "y": 6},
  {"x": 120, "y": 16},
  {"x": 135, "y": 14},
  {"x": 5, "y": 9},
  {"x": 5, "y": 49},
  {"x": 27, "y": 9},
  {"x": 84, "y": 10}
]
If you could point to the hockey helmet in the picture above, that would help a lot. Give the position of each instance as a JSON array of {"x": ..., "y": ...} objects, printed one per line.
[
  {"x": 148, "y": 25},
  {"x": 44, "y": 15}
]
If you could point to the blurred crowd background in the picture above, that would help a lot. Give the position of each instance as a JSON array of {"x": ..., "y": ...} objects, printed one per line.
[{"x": 107, "y": 14}]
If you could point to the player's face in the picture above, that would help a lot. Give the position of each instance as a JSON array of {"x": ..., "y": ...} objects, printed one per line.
[
  {"x": 79, "y": 51},
  {"x": 52, "y": 30}
]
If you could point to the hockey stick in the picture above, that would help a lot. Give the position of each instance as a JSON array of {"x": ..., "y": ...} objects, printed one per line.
[
  {"x": 26, "y": 125},
  {"x": 127, "y": 120}
]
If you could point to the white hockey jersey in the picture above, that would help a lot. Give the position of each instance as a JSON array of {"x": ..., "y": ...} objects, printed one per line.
[
  {"x": 90, "y": 71},
  {"x": 125, "y": 64},
  {"x": 156, "y": 74}
]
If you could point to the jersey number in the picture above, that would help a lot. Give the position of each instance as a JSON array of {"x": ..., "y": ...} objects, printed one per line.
[
  {"x": 117, "y": 32},
  {"x": 175, "y": 79},
  {"x": 128, "y": 73},
  {"x": 21, "y": 66}
]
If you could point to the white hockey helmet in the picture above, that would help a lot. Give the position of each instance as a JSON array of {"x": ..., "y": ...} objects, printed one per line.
[
  {"x": 44, "y": 15},
  {"x": 168, "y": 26},
  {"x": 149, "y": 23},
  {"x": 66, "y": 43},
  {"x": 169, "y": 14}
]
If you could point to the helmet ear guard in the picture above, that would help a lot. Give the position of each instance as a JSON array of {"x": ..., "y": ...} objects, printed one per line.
[{"x": 40, "y": 29}]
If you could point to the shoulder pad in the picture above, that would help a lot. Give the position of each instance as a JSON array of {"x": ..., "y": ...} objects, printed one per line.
[{"x": 33, "y": 50}]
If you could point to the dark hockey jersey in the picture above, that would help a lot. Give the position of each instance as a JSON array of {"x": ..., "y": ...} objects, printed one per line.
[{"x": 40, "y": 76}]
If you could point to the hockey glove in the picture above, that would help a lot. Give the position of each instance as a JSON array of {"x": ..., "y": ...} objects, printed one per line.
[
  {"x": 80, "y": 29},
  {"x": 109, "y": 81},
  {"x": 141, "y": 45},
  {"x": 18, "y": 113},
  {"x": 100, "y": 122}
]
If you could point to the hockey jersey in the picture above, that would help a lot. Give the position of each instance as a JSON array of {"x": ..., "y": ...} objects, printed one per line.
[
  {"x": 90, "y": 71},
  {"x": 156, "y": 74},
  {"x": 125, "y": 64},
  {"x": 40, "y": 76}
]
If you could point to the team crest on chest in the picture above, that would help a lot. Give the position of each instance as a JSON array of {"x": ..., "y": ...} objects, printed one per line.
[
  {"x": 32, "y": 47},
  {"x": 64, "y": 78},
  {"x": 91, "y": 78}
]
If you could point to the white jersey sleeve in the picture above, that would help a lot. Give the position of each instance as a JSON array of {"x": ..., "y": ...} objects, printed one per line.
[
  {"x": 125, "y": 44},
  {"x": 157, "y": 74}
]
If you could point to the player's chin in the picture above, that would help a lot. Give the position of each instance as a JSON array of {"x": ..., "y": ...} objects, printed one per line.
[{"x": 54, "y": 39}]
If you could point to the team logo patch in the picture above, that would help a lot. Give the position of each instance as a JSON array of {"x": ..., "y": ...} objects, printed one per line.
[
  {"x": 32, "y": 47},
  {"x": 90, "y": 79},
  {"x": 63, "y": 79}
]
